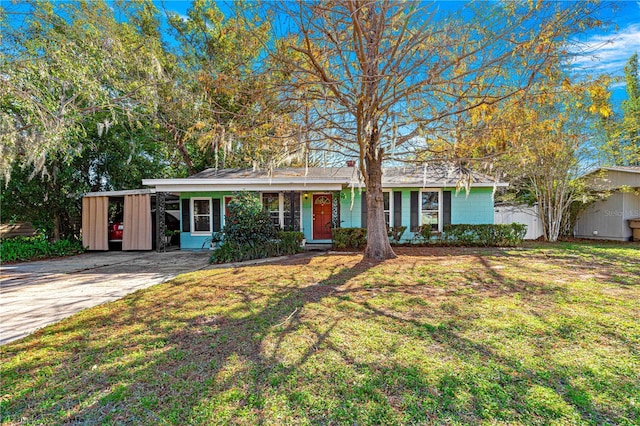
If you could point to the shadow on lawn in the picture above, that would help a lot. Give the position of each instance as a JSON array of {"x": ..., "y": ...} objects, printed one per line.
[
  {"x": 180, "y": 367},
  {"x": 194, "y": 372}
]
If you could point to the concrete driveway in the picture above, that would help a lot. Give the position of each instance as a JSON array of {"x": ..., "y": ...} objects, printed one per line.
[{"x": 35, "y": 294}]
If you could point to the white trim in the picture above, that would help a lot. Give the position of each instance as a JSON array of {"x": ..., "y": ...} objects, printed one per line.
[
  {"x": 196, "y": 186},
  {"x": 313, "y": 237},
  {"x": 120, "y": 193},
  {"x": 327, "y": 183},
  {"x": 439, "y": 191},
  {"x": 249, "y": 181},
  {"x": 398, "y": 185},
  {"x": 281, "y": 209},
  {"x": 193, "y": 213},
  {"x": 301, "y": 211}
]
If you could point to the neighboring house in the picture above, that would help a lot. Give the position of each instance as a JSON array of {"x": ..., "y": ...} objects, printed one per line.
[
  {"x": 609, "y": 218},
  {"x": 313, "y": 200}
]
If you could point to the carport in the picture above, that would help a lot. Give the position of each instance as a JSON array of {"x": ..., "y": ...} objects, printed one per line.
[{"x": 138, "y": 230}]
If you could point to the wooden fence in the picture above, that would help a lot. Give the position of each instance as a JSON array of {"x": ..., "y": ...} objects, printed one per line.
[{"x": 17, "y": 229}]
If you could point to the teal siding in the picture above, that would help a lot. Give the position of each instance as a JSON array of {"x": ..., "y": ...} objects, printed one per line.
[
  {"x": 350, "y": 217},
  {"x": 406, "y": 213},
  {"x": 476, "y": 208},
  {"x": 188, "y": 241},
  {"x": 307, "y": 229},
  {"x": 473, "y": 208}
]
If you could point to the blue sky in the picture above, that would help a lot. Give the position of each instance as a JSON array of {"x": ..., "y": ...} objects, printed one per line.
[
  {"x": 602, "y": 51},
  {"x": 607, "y": 51}
]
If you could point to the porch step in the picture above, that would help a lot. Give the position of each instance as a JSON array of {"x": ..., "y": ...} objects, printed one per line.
[{"x": 318, "y": 246}]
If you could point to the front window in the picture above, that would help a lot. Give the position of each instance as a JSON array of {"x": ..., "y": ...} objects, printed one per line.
[
  {"x": 386, "y": 197},
  {"x": 430, "y": 210},
  {"x": 291, "y": 211},
  {"x": 271, "y": 203},
  {"x": 284, "y": 209},
  {"x": 201, "y": 215}
]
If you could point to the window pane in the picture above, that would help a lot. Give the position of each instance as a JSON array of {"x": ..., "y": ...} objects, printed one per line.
[
  {"x": 429, "y": 201},
  {"x": 202, "y": 223},
  {"x": 275, "y": 218},
  {"x": 292, "y": 211},
  {"x": 270, "y": 201},
  {"x": 386, "y": 218},
  {"x": 385, "y": 197},
  {"x": 430, "y": 218},
  {"x": 201, "y": 207}
]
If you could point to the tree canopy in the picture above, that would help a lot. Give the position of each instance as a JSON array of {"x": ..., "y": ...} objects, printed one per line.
[
  {"x": 67, "y": 62},
  {"x": 90, "y": 87},
  {"x": 381, "y": 80}
]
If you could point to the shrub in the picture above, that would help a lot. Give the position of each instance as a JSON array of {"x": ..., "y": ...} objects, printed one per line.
[
  {"x": 395, "y": 233},
  {"x": 289, "y": 242},
  {"x": 500, "y": 235},
  {"x": 231, "y": 251},
  {"x": 250, "y": 234},
  {"x": 247, "y": 222},
  {"x": 38, "y": 247},
  {"x": 349, "y": 238}
]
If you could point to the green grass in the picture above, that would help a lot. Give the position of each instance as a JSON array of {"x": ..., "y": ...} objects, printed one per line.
[{"x": 545, "y": 334}]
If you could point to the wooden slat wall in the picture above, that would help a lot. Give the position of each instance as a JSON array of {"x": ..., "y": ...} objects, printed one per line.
[
  {"x": 95, "y": 223},
  {"x": 17, "y": 229}
]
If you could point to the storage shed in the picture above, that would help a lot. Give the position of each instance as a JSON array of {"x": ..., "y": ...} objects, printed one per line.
[{"x": 608, "y": 218}]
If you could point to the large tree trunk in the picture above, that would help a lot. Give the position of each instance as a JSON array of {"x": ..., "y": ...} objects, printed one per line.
[{"x": 378, "y": 247}]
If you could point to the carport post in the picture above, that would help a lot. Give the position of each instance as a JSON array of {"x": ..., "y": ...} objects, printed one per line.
[{"x": 160, "y": 221}]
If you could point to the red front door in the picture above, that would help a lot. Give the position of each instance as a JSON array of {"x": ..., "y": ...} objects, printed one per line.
[{"x": 322, "y": 216}]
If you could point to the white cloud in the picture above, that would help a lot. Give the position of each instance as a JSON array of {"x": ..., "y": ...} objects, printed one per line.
[{"x": 607, "y": 53}]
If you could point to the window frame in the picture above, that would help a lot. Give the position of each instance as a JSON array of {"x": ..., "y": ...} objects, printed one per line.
[
  {"x": 425, "y": 190},
  {"x": 193, "y": 216},
  {"x": 390, "y": 192},
  {"x": 280, "y": 206},
  {"x": 283, "y": 195}
]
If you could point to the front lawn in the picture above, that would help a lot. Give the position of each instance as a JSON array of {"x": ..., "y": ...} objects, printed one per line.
[{"x": 545, "y": 334}]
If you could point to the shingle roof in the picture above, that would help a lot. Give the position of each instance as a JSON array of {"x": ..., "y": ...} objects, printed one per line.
[
  {"x": 630, "y": 169},
  {"x": 608, "y": 178},
  {"x": 311, "y": 172},
  {"x": 391, "y": 176}
]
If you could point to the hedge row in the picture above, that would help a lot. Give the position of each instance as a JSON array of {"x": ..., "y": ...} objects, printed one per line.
[
  {"x": 349, "y": 238},
  {"x": 497, "y": 235},
  {"x": 502, "y": 235}
]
